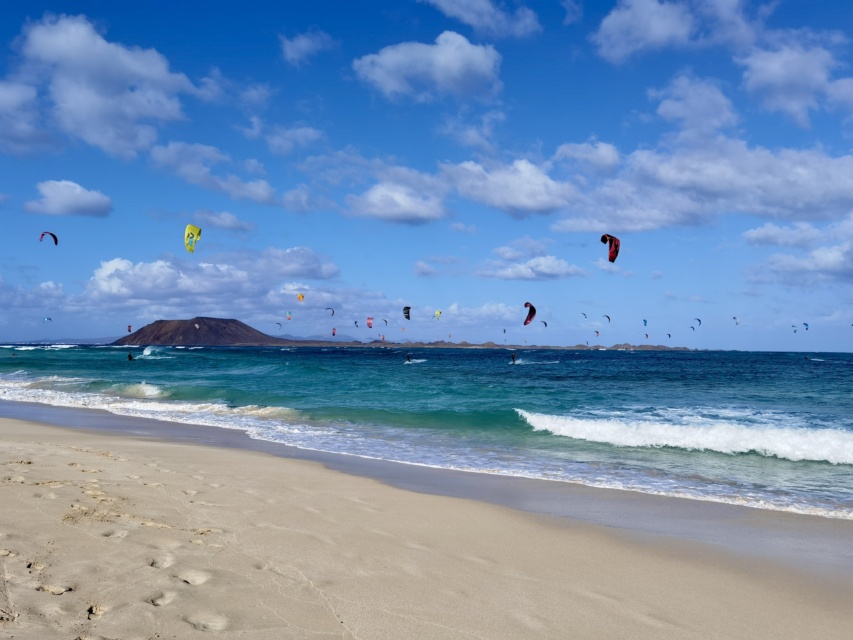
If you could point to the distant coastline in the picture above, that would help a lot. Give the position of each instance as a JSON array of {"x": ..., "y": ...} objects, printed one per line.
[{"x": 221, "y": 332}]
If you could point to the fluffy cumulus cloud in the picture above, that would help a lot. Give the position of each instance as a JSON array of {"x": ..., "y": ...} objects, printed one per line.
[
  {"x": 690, "y": 185},
  {"x": 526, "y": 259},
  {"x": 66, "y": 198},
  {"x": 640, "y": 25},
  {"x": 106, "y": 94},
  {"x": 593, "y": 154},
  {"x": 490, "y": 18},
  {"x": 300, "y": 48},
  {"x": 283, "y": 140},
  {"x": 539, "y": 268},
  {"x": 193, "y": 162},
  {"x": 237, "y": 285},
  {"x": 519, "y": 189},
  {"x": 790, "y": 77},
  {"x": 397, "y": 202},
  {"x": 452, "y": 65},
  {"x": 697, "y": 105}
]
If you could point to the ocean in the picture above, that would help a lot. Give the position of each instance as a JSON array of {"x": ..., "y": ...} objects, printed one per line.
[{"x": 765, "y": 430}]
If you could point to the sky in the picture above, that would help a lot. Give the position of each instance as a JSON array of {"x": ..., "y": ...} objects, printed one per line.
[{"x": 456, "y": 155}]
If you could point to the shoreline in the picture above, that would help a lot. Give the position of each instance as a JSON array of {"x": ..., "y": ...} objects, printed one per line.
[
  {"x": 808, "y": 542},
  {"x": 127, "y": 535}
]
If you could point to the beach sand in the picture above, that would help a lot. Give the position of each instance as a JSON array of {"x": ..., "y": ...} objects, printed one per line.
[{"x": 113, "y": 536}]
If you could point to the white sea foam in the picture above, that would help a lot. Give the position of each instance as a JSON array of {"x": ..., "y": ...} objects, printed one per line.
[{"x": 720, "y": 435}]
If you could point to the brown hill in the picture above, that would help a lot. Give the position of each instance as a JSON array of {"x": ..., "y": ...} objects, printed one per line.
[{"x": 208, "y": 332}]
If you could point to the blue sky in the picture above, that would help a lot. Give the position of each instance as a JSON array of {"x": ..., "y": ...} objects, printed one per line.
[{"x": 461, "y": 155}]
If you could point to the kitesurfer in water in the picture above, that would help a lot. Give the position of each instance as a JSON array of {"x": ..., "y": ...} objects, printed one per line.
[
  {"x": 130, "y": 356},
  {"x": 513, "y": 358},
  {"x": 408, "y": 357}
]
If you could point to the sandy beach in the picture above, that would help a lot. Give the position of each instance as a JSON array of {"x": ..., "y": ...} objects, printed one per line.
[{"x": 112, "y": 536}]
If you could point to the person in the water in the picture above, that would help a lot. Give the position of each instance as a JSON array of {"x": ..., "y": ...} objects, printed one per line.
[
  {"x": 513, "y": 358},
  {"x": 130, "y": 356}
]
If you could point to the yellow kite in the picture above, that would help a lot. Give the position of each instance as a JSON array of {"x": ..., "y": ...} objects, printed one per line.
[{"x": 191, "y": 236}]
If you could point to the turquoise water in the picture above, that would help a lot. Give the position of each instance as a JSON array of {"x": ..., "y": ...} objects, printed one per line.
[{"x": 768, "y": 430}]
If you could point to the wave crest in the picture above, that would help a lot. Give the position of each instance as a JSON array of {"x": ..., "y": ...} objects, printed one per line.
[{"x": 819, "y": 445}]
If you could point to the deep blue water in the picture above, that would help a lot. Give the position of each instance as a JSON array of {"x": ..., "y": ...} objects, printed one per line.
[{"x": 769, "y": 430}]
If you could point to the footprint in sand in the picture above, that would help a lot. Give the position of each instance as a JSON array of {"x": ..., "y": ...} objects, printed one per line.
[
  {"x": 115, "y": 533},
  {"x": 163, "y": 598},
  {"x": 162, "y": 562},
  {"x": 57, "y": 591},
  {"x": 193, "y": 577},
  {"x": 96, "y": 611},
  {"x": 208, "y": 621}
]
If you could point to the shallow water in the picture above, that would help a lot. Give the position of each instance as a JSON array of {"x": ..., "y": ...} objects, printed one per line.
[{"x": 768, "y": 430}]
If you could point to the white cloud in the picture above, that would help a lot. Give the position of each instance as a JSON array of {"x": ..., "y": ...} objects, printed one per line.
[
  {"x": 237, "y": 285},
  {"x": 640, "y": 25},
  {"x": 193, "y": 162},
  {"x": 397, "y": 202},
  {"x": 19, "y": 128},
  {"x": 488, "y": 18},
  {"x": 283, "y": 140},
  {"x": 519, "y": 189},
  {"x": 451, "y": 66},
  {"x": 525, "y": 247},
  {"x": 298, "y": 49},
  {"x": 801, "y": 235},
  {"x": 539, "y": 268},
  {"x": 222, "y": 220},
  {"x": 66, "y": 198},
  {"x": 598, "y": 155},
  {"x": 424, "y": 269},
  {"x": 790, "y": 77},
  {"x": 692, "y": 184},
  {"x": 108, "y": 95},
  {"x": 699, "y": 106},
  {"x": 478, "y": 135}
]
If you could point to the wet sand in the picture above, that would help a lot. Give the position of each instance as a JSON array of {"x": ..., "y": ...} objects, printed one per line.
[{"x": 120, "y": 536}]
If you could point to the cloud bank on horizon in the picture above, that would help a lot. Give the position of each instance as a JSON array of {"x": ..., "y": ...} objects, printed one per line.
[{"x": 462, "y": 156}]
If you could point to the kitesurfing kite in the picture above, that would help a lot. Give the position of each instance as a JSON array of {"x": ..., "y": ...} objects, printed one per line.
[
  {"x": 806, "y": 325},
  {"x": 191, "y": 236},
  {"x": 613, "y": 246},
  {"x": 370, "y": 323},
  {"x": 692, "y": 327},
  {"x": 330, "y": 309},
  {"x": 699, "y": 321},
  {"x": 129, "y": 328},
  {"x": 669, "y": 335},
  {"x": 46, "y": 319},
  {"x": 645, "y": 322},
  {"x": 543, "y": 322},
  {"x": 385, "y": 321},
  {"x": 279, "y": 325},
  {"x": 300, "y": 297},
  {"x": 736, "y": 319},
  {"x": 438, "y": 315},
  {"x": 407, "y": 313},
  {"x": 647, "y": 336},
  {"x": 530, "y": 314},
  {"x": 597, "y": 334},
  {"x": 606, "y": 316},
  {"x": 48, "y": 233},
  {"x": 356, "y": 322},
  {"x": 334, "y": 331},
  {"x": 583, "y": 314},
  {"x": 288, "y": 315}
]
